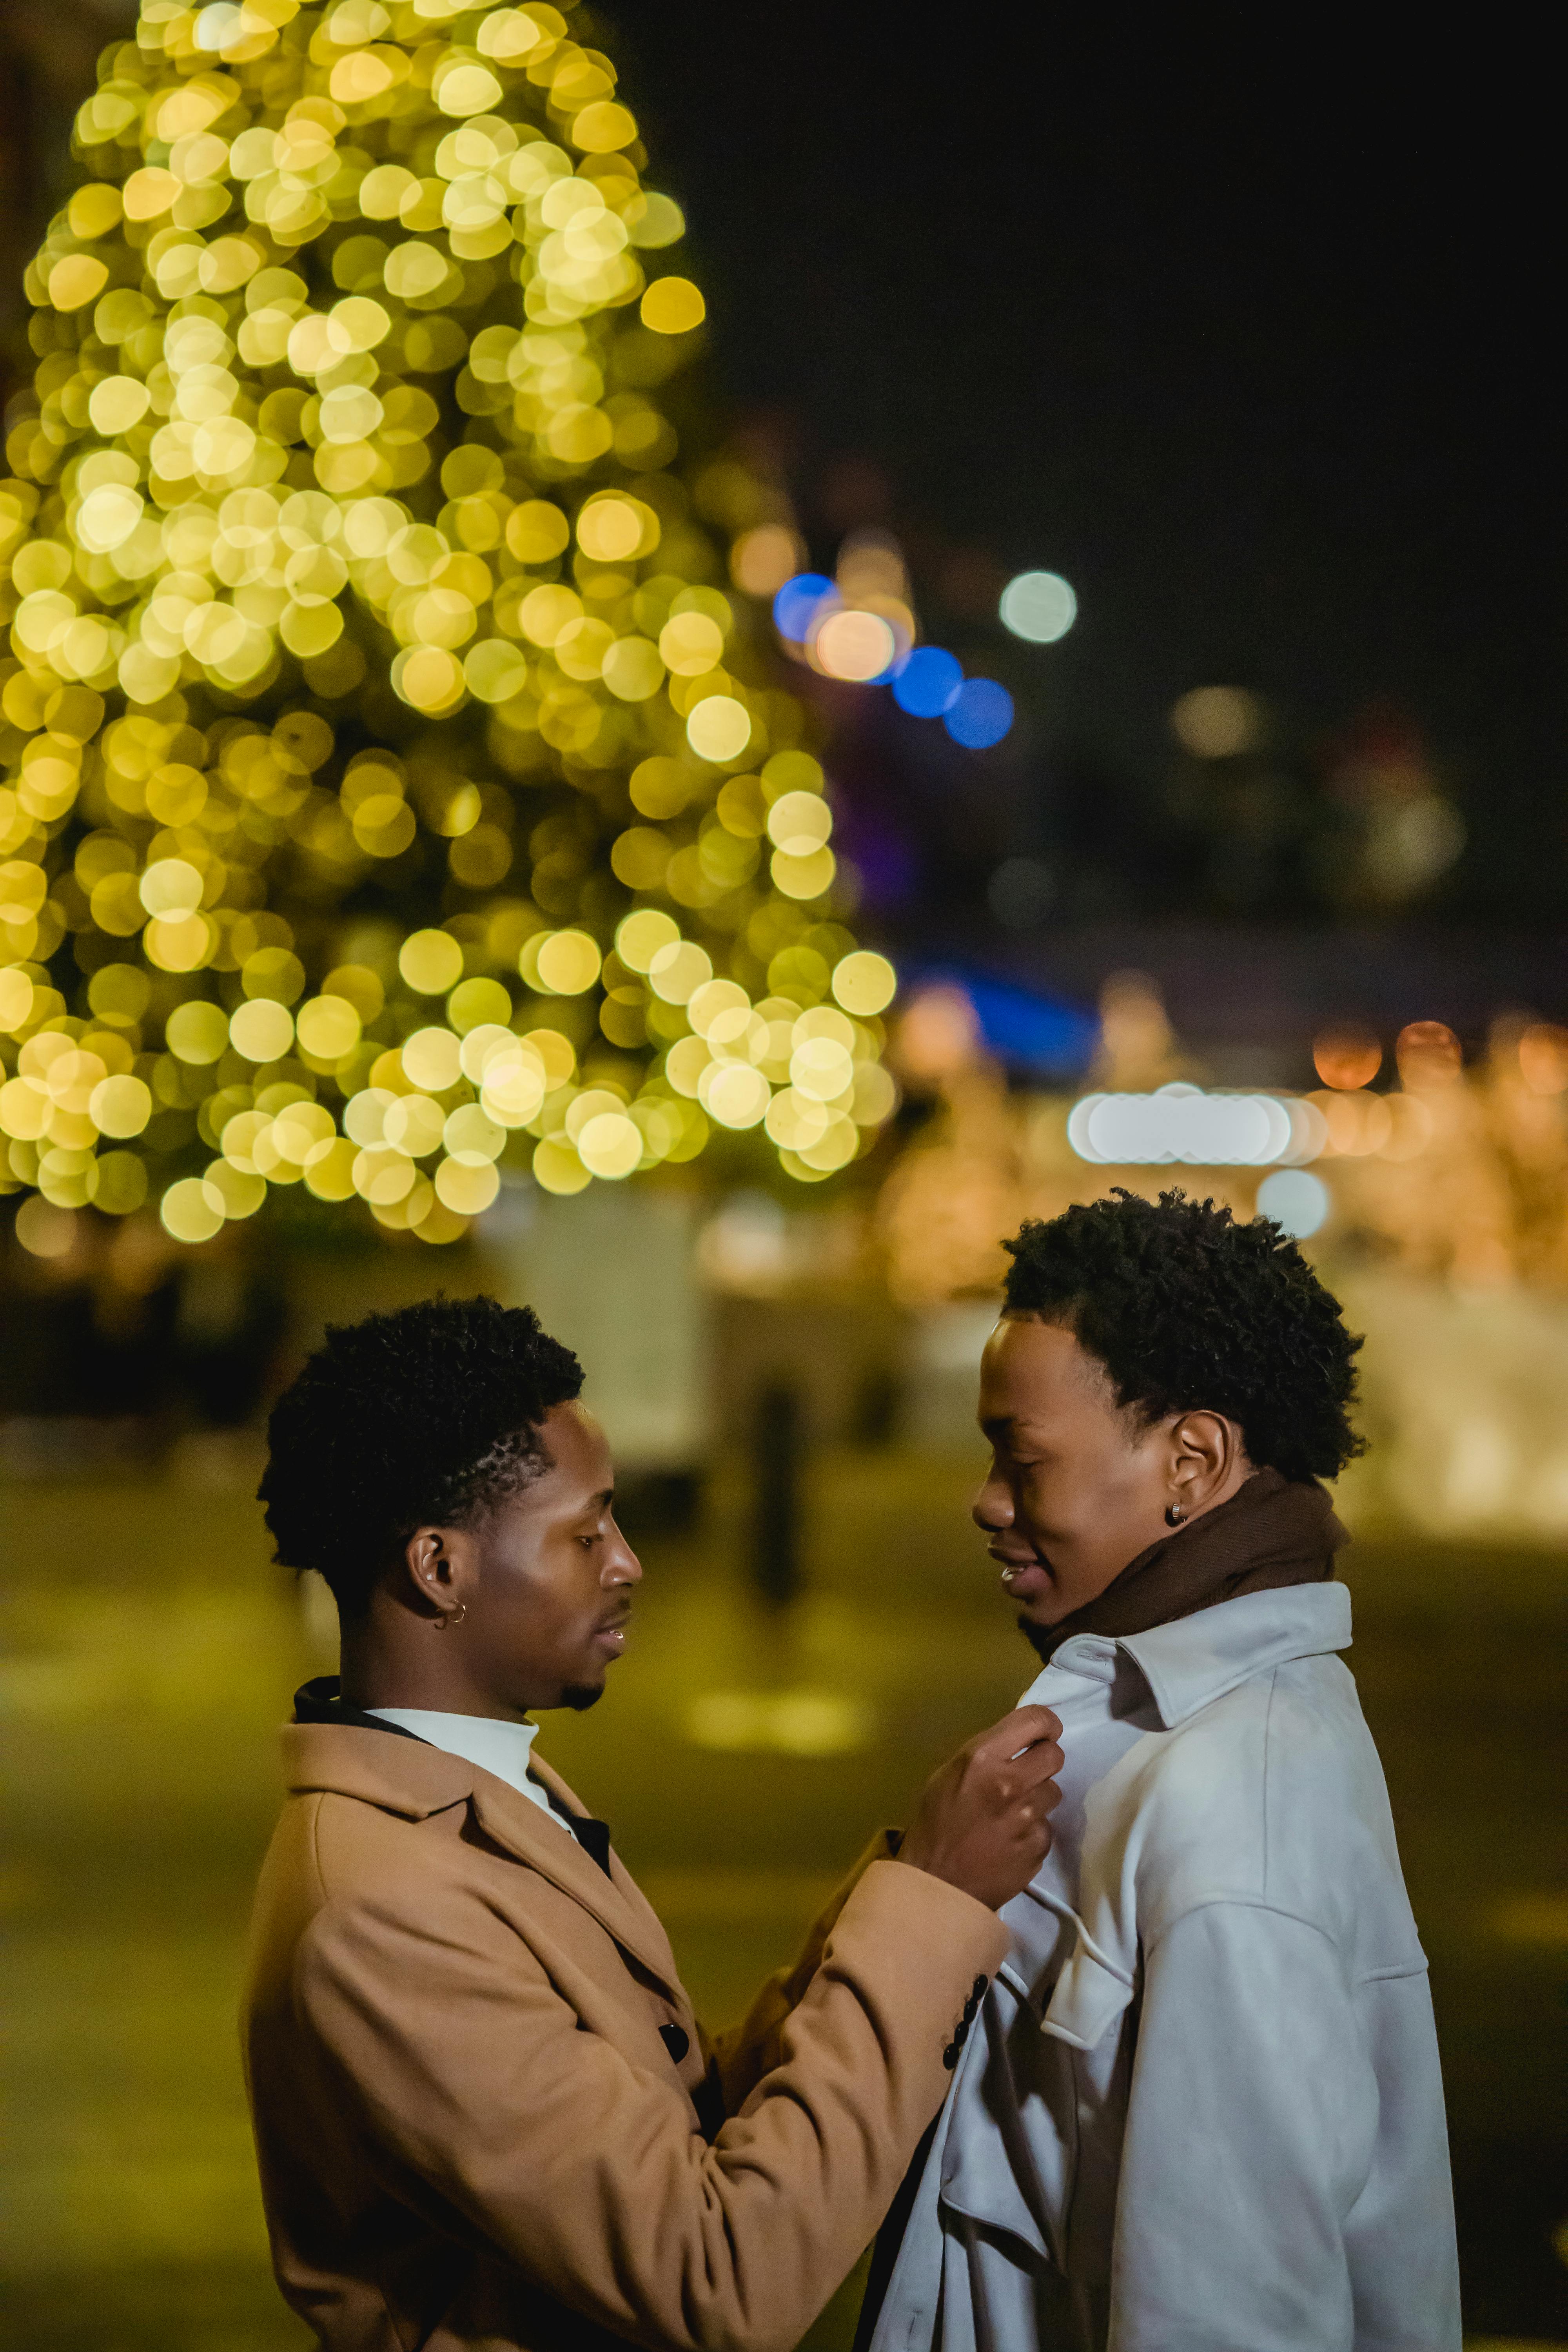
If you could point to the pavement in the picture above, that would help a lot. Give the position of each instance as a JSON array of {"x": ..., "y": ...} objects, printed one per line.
[{"x": 743, "y": 1755}]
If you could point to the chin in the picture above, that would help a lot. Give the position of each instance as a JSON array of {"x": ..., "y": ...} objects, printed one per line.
[{"x": 581, "y": 1696}]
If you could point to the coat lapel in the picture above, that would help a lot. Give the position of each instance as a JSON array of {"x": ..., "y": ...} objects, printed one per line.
[
  {"x": 652, "y": 1945},
  {"x": 412, "y": 1778}
]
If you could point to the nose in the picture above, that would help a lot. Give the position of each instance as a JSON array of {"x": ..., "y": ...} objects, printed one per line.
[
  {"x": 991, "y": 1509},
  {"x": 622, "y": 1565}
]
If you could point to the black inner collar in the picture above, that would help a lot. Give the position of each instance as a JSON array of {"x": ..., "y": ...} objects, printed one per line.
[{"x": 320, "y": 1701}]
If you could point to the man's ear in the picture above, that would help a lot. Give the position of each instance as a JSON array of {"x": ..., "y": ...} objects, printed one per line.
[
  {"x": 1207, "y": 1451},
  {"x": 437, "y": 1569}
]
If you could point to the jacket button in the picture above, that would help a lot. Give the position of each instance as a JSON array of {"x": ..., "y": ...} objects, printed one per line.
[
  {"x": 676, "y": 2041},
  {"x": 949, "y": 2056}
]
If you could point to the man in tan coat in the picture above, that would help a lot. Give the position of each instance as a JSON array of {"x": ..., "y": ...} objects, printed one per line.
[{"x": 485, "y": 2115}]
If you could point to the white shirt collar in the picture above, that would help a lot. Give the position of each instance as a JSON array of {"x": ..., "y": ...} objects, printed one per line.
[
  {"x": 489, "y": 1741},
  {"x": 1195, "y": 1660}
]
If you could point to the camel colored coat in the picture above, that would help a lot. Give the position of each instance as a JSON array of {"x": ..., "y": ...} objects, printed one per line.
[{"x": 470, "y": 2131}]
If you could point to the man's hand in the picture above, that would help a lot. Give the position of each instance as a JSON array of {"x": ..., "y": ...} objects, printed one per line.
[{"x": 982, "y": 1822}]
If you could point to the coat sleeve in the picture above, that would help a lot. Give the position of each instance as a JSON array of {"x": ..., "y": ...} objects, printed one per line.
[
  {"x": 480, "y": 2095},
  {"x": 745, "y": 2053},
  {"x": 1251, "y": 2127}
]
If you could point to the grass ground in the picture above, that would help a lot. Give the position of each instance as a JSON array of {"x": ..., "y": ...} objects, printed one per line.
[{"x": 152, "y": 1651}]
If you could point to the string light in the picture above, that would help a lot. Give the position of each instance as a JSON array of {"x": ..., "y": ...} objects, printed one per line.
[{"x": 347, "y": 570}]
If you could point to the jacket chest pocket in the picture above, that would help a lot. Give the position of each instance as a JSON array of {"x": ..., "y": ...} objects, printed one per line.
[
  {"x": 1010, "y": 2147},
  {"x": 1029, "y": 2094},
  {"x": 1088, "y": 1999}
]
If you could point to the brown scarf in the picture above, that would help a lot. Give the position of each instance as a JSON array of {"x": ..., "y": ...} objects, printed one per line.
[{"x": 1275, "y": 1532}]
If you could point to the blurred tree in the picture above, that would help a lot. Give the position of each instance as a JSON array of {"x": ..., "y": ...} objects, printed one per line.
[{"x": 392, "y": 785}]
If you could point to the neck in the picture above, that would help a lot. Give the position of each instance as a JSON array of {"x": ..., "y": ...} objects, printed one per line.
[{"x": 412, "y": 1664}]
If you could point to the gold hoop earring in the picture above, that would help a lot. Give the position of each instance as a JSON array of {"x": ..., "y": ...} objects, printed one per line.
[{"x": 457, "y": 1617}]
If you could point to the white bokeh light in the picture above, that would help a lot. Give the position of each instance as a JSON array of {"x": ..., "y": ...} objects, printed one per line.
[
  {"x": 1183, "y": 1123},
  {"x": 1295, "y": 1199},
  {"x": 1039, "y": 606}
]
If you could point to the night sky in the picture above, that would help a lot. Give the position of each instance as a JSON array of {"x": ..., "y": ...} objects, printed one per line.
[{"x": 1242, "y": 325}]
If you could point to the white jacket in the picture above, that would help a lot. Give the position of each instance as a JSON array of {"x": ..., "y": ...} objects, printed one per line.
[{"x": 1200, "y": 2110}]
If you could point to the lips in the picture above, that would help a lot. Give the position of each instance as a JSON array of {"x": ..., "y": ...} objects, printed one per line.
[
  {"x": 1024, "y": 1578},
  {"x": 611, "y": 1634}
]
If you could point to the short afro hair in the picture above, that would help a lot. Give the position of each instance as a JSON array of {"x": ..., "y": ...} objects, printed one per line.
[
  {"x": 1187, "y": 1309},
  {"x": 428, "y": 1416}
]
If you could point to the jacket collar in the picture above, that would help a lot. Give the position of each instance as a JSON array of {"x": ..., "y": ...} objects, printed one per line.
[
  {"x": 1195, "y": 1660},
  {"x": 345, "y": 1755}
]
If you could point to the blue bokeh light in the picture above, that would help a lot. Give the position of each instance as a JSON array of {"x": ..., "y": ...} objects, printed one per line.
[
  {"x": 796, "y": 603},
  {"x": 929, "y": 683},
  {"x": 980, "y": 715}
]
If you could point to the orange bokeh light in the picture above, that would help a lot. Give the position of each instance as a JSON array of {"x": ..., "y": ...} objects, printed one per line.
[
  {"x": 1347, "y": 1057},
  {"x": 1544, "y": 1058},
  {"x": 1429, "y": 1054}
]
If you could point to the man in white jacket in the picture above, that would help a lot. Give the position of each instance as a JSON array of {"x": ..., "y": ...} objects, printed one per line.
[{"x": 1200, "y": 2109}]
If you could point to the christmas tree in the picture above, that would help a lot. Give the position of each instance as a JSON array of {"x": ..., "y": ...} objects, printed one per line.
[{"x": 394, "y": 791}]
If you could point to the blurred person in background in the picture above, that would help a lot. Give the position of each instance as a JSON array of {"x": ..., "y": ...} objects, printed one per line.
[
  {"x": 484, "y": 2111},
  {"x": 1203, "y": 2111}
]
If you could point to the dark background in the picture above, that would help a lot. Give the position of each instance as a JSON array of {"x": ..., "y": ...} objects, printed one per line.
[{"x": 1240, "y": 324}]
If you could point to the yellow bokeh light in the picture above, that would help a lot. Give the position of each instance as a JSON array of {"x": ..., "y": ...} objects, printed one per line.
[
  {"x": 513, "y": 1089},
  {"x": 609, "y": 530},
  {"x": 198, "y": 1031},
  {"x": 795, "y": 1119},
  {"x": 718, "y": 728},
  {"x": 119, "y": 1183},
  {"x": 171, "y": 888},
  {"x": 679, "y": 969},
  {"x": 478, "y": 1004},
  {"x": 802, "y": 877},
  {"x": 431, "y": 961},
  {"x": 413, "y": 1126},
  {"x": 328, "y": 1026},
  {"x": 45, "y": 1230},
  {"x": 432, "y": 1059},
  {"x": 690, "y": 642},
  {"x": 733, "y": 1094},
  {"x": 557, "y": 1166},
  {"x": 864, "y": 982},
  {"x": 610, "y": 1145},
  {"x": 673, "y": 306},
  {"x": 568, "y": 963},
  {"x": 602, "y": 127},
  {"x": 191, "y": 1210},
  {"x": 536, "y": 532},
  {"x": 15, "y": 999},
  {"x": 120, "y": 1106},
  {"x": 464, "y": 1187},
  {"x": 240, "y": 1190},
  {"x": 261, "y": 1030},
  {"x": 834, "y": 1148},
  {"x": 472, "y": 1138},
  {"x": 644, "y": 935},
  {"x": 799, "y": 823}
]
